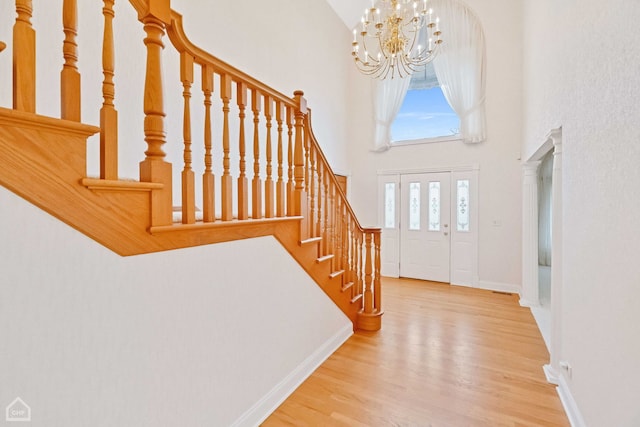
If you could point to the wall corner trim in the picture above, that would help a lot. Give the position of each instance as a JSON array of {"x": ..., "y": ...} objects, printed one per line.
[
  {"x": 278, "y": 394},
  {"x": 568, "y": 402}
]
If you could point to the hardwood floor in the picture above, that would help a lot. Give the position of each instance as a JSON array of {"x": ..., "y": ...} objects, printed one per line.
[{"x": 446, "y": 356}]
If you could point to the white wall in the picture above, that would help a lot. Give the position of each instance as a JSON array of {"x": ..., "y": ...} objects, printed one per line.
[
  {"x": 581, "y": 73},
  {"x": 189, "y": 337},
  {"x": 498, "y": 156}
]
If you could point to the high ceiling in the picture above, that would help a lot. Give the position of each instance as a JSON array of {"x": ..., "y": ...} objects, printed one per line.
[{"x": 350, "y": 11}]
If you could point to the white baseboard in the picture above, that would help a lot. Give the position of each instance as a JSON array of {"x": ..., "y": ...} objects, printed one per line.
[
  {"x": 265, "y": 406},
  {"x": 500, "y": 287},
  {"x": 568, "y": 402},
  {"x": 527, "y": 303}
]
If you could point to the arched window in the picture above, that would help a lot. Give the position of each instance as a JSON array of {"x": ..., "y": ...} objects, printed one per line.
[{"x": 460, "y": 74}]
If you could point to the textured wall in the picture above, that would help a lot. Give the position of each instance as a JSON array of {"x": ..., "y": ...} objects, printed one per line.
[{"x": 581, "y": 72}]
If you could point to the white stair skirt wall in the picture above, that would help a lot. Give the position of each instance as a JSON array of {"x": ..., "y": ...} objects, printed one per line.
[
  {"x": 464, "y": 244},
  {"x": 188, "y": 337}
]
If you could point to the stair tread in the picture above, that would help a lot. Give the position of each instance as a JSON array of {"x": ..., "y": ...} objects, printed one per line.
[
  {"x": 347, "y": 286},
  {"x": 324, "y": 258},
  {"x": 356, "y": 298},
  {"x": 310, "y": 241},
  {"x": 336, "y": 273}
]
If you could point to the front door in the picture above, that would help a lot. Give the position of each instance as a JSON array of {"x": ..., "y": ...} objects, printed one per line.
[{"x": 425, "y": 235}]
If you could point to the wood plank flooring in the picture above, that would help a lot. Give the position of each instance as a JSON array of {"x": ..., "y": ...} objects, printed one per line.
[{"x": 446, "y": 356}]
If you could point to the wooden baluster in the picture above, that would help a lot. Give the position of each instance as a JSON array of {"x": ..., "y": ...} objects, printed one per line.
[
  {"x": 208, "y": 179},
  {"x": 69, "y": 76},
  {"x": 243, "y": 182},
  {"x": 311, "y": 155},
  {"x": 368, "y": 270},
  {"x": 332, "y": 226},
  {"x": 345, "y": 237},
  {"x": 307, "y": 172},
  {"x": 24, "y": 59},
  {"x": 108, "y": 113},
  {"x": 360, "y": 260},
  {"x": 153, "y": 168},
  {"x": 290, "y": 181},
  {"x": 300, "y": 196},
  {"x": 188, "y": 176},
  {"x": 377, "y": 290},
  {"x": 352, "y": 257},
  {"x": 280, "y": 198},
  {"x": 256, "y": 183},
  {"x": 338, "y": 233},
  {"x": 227, "y": 180},
  {"x": 321, "y": 207},
  {"x": 268, "y": 184},
  {"x": 326, "y": 239}
]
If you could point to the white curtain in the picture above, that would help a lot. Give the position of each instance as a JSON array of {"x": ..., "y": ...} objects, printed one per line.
[
  {"x": 545, "y": 172},
  {"x": 460, "y": 66},
  {"x": 389, "y": 94}
]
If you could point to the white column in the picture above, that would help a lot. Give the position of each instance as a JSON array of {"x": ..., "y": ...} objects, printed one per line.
[
  {"x": 556, "y": 251},
  {"x": 529, "y": 295}
]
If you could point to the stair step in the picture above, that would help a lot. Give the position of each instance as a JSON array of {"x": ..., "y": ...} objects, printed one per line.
[
  {"x": 347, "y": 286},
  {"x": 336, "y": 274},
  {"x": 356, "y": 298},
  {"x": 310, "y": 241},
  {"x": 324, "y": 258}
]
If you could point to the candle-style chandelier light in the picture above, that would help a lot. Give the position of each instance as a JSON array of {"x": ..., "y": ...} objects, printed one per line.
[{"x": 389, "y": 38}]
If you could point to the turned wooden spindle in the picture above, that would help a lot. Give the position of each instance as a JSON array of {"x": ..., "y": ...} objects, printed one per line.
[
  {"x": 300, "y": 196},
  {"x": 312, "y": 192},
  {"x": 208, "y": 179},
  {"x": 290, "y": 181},
  {"x": 332, "y": 224},
  {"x": 307, "y": 173},
  {"x": 280, "y": 198},
  {"x": 338, "y": 233},
  {"x": 327, "y": 208},
  {"x": 188, "y": 176},
  {"x": 227, "y": 179},
  {"x": 256, "y": 182},
  {"x": 321, "y": 207},
  {"x": 154, "y": 168},
  {"x": 24, "y": 59},
  {"x": 69, "y": 76},
  {"x": 352, "y": 256},
  {"x": 345, "y": 237},
  {"x": 377, "y": 289},
  {"x": 268, "y": 184},
  {"x": 368, "y": 274},
  {"x": 359, "y": 273},
  {"x": 108, "y": 113},
  {"x": 243, "y": 182}
]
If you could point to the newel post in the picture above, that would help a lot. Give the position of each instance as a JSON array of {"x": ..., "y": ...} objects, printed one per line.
[
  {"x": 154, "y": 168},
  {"x": 24, "y": 59},
  {"x": 299, "y": 193},
  {"x": 370, "y": 317}
]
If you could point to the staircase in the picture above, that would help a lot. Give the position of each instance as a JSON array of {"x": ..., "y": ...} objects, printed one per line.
[{"x": 288, "y": 191}]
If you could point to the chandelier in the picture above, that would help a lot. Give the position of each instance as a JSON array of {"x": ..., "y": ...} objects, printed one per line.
[{"x": 390, "y": 35}]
